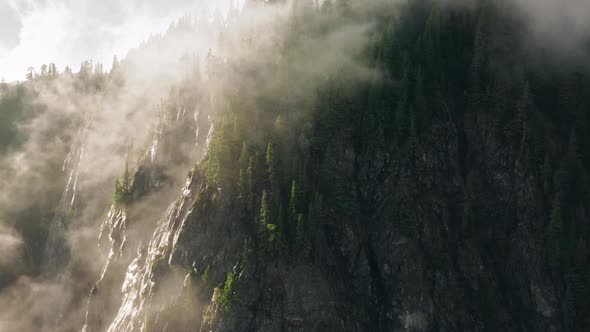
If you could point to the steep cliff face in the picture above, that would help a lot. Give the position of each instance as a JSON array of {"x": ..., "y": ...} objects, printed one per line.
[
  {"x": 358, "y": 221},
  {"x": 133, "y": 247},
  {"x": 414, "y": 201},
  {"x": 447, "y": 270}
]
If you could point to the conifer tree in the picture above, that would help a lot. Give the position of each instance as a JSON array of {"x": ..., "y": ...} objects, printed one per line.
[
  {"x": 43, "y": 70},
  {"x": 242, "y": 190},
  {"x": 547, "y": 176},
  {"x": 249, "y": 186},
  {"x": 282, "y": 232},
  {"x": 569, "y": 307},
  {"x": 402, "y": 117},
  {"x": 573, "y": 155},
  {"x": 30, "y": 73},
  {"x": 115, "y": 66},
  {"x": 265, "y": 214},
  {"x": 525, "y": 109},
  {"x": 52, "y": 70},
  {"x": 316, "y": 231},
  {"x": 271, "y": 167},
  {"x": 555, "y": 233},
  {"x": 126, "y": 177},
  {"x": 479, "y": 62},
  {"x": 123, "y": 188},
  {"x": 267, "y": 233},
  {"x": 244, "y": 180},
  {"x": 244, "y": 157},
  {"x": 301, "y": 240},
  {"x": 293, "y": 201},
  {"x": 420, "y": 103}
]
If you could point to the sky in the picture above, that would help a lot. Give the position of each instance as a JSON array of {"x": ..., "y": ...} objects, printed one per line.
[{"x": 68, "y": 32}]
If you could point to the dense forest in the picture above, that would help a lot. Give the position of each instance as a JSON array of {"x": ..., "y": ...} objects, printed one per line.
[{"x": 352, "y": 166}]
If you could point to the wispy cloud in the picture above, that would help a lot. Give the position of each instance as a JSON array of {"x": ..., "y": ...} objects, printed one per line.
[{"x": 67, "y": 32}]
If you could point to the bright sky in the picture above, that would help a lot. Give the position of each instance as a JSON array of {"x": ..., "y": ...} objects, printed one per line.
[{"x": 67, "y": 32}]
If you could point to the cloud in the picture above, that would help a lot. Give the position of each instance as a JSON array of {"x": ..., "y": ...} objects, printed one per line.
[
  {"x": 560, "y": 27},
  {"x": 11, "y": 246},
  {"x": 563, "y": 24},
  {"x": 106, "y": 128},
  {"x": 10, "y": 27},
  {"x": 67, "y": 32}
]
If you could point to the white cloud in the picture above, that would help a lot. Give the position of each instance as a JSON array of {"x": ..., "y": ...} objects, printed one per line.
[
  {"x": 563, "y": 23},
  {"x": 67, "y": 32}
]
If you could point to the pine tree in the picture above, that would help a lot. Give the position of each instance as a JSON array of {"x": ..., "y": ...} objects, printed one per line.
[
  {"x": 85, "y": 70},
  {"x": 420, "y": 102},
  {"x": 431, "y": 41},
  {"x": 249, "y": 186},
  {"x": 547, "y": 176},
  {"x": 52, "y": 70},
  {"x": 412, "y": 141},
  {"x": 30, "y": 73},
  {"x": 569, "y": 307},
  {"x": 577, "y": 279},
  {"x": 244, "y": 157},
  {"x": 126, "y": 177},
  {"x": 244, "y": 180},
  {"x": 228, "y": 294},
  {"x": 555, "y": 233},
  {"x": 573, "y": 155},
  {"x": 282, "y": 233},
  {"x": 402, "y": 118},
  {"x": 242, "y": 190},
  {"x": 293, "y": 203},
  {"x": 271, "y": 167},
  {"x": 122, "y": 193},
  {"x": 316, "y": 229},
  {"x": 479, "y": 62},
  {"x": 43, "y": 70},
  {"x": 98, "y": 69},
  {"x": 525, "y": 110},
  {"x": 267, "y": 233},
  {"x": 265, "y": 214},
  {"x": 480, "y": 50},
  {"x": 115, "y": 66},
  {"x": 218, "y": 168},
  {"x": 301, "y": 239}
]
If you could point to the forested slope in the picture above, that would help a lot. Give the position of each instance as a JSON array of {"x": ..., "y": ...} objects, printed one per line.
[
  {"x": 441, "y": 185},
  {"x": 365, "y": 167}
]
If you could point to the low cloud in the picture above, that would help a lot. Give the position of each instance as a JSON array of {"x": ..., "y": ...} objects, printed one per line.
[
  {"x": 11, "y": 247},
  {"x": 562, "y": 26},
  {"x": 67, "y": 32}
]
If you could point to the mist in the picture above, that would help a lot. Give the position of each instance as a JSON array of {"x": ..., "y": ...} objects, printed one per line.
[
  {"x": 145, "y": 118},
  {"x": 57, "y": 178},
  {"x": 561, "y": 24},
  {"x": 80, "y": 133},
  {"x": 65, "y": 32}
]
